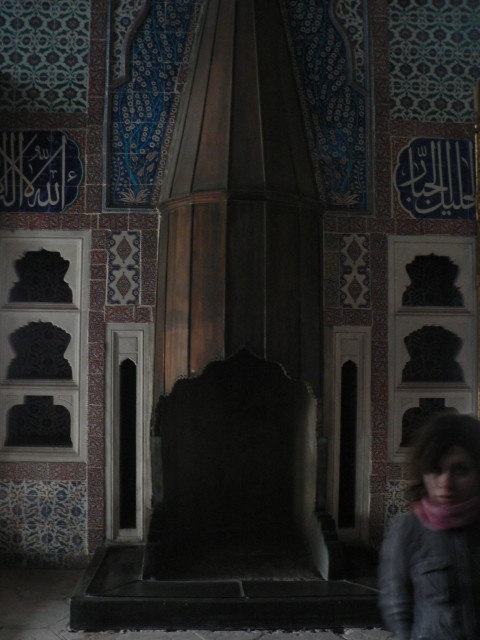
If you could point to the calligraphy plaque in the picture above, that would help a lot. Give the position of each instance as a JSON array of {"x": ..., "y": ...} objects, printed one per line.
[
  {"x": 40, "y": 171},
  {"x": 435, "y": 178}
]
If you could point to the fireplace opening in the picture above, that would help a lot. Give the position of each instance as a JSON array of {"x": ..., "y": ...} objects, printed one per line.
[{"x": 238, "y": 476}]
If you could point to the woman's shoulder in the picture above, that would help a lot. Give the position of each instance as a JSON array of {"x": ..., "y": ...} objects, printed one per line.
[
  {"x": 404, "y": 525},
  {"x": 404, "y": 519}
]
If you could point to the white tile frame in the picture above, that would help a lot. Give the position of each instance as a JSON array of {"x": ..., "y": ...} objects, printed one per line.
[
  {"x": 75, "y": 247},
  {"x": 132, "y": 341},
  {"x": 403, "y": 320},
  {"x": 347, "y": 343}
]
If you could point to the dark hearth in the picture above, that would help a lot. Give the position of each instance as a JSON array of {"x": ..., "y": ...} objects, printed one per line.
[{"x": 239, "y": 470}]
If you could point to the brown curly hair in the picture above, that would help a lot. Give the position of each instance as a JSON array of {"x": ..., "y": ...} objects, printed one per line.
[{"x": 434, "y": 440}]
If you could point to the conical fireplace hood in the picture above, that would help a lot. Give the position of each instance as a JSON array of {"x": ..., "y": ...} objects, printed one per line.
[
  {"x": 240, "y": 129},
  {"x": 239, "y": 287},
  {"x": 240, "y": 240}
]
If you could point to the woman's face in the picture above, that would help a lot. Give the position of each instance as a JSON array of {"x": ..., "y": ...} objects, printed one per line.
[{"x": 456, "y": 479}]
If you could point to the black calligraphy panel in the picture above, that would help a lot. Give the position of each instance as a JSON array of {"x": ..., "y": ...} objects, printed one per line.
[{"x": 40, "y": 171}]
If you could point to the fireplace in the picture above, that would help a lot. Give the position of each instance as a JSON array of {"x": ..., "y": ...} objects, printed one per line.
[
  {"x": 238, "y": 464},
  {"x": 239, "y": 303}
]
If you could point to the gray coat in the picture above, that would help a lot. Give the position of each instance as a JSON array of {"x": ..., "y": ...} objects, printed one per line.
[{"x": 430, "y": 581}]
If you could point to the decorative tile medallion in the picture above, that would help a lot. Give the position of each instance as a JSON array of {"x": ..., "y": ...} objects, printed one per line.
[
  {"x": 355, "y": 265},
  {"x": 43, "y": 519},
  {"x": 44, "y": 55},
  {"x": 435, "y": 178},
  {"x": 40, "y": 171},
  {"x": 124, "y": 268},
  {"x": 434, "y": 59},
  {"x": 329, "y": 40},
  {"x": 396, "y": 502}
]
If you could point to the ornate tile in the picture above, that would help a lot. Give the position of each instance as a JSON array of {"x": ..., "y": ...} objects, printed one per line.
[
  {"x": 395, "y": 499},
  {"x": 434, "y": 59},
  {"x": 330, "y": 47},
  {"x": 155, "y": 46},
  {"x": 142, "y": 109},
  {"x": 355, "y": 264},
  {"x": 124, "y": 268},
  {"x": 43, "y": 520},
  {"x": 126, "y": 13},
  {"x": 44, "y": 55}
]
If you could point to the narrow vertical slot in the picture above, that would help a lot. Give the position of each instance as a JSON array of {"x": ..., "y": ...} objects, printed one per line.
[
  {"x": 348, "y": 446},
  {"x": 128, "y": 445}
]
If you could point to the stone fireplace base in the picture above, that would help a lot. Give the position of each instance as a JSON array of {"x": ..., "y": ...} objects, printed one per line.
[{"x": 113, "y": 596}]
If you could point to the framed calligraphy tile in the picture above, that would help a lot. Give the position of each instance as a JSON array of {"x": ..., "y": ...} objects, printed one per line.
[
  {"x": 435, "y": 178},
  {"x": 40, "y": 171}
]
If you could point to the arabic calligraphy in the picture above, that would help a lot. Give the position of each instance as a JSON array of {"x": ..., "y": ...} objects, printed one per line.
[
  {"x": 40, "y": 171},
  {"x": 435, "y": 178}
]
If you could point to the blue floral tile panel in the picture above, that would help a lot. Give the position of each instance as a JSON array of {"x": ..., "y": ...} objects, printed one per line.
[{"x": 43, "y": 520}]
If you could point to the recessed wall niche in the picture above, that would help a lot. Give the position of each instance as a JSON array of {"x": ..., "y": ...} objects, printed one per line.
[
  {"x": 43, "y": 327},
  {"x": 432, "y": 334},
  {"x": 41, "y": 278}
]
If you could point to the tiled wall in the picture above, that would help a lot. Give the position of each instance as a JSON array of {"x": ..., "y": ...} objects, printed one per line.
[{"x": 46, "y": 84}]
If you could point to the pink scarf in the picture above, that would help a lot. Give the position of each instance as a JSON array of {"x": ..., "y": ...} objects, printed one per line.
[{"x": 438, "y": 518}]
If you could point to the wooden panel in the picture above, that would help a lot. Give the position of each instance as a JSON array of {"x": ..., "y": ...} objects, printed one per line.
[
  {"x": 278, "y": 100},
  {"x": 208, "y": 285},
  {"x": 245, "y": 314},
  {"x": 159, "y": 347},
  {"x": 212, "y": 166},
  {"x": 311, "y": 300},
  {"x": 177, "y": 312},
  {"x": 246, "y": 148},
  {"x": 283, "y": 287},
  {"x": 182, "y": 161}
]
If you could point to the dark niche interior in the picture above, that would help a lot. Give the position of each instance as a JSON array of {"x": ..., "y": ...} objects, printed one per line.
[
  {"x": 38, "y": 423},
  {"x": 432, "y": 352},
  {"x": 414, "y": 418},
  {"x": 238, "y": 476},
  {"x": 432, "y": 282},
  {"x": 41, "y": 278},
  {"x": 40, "y": 348}
]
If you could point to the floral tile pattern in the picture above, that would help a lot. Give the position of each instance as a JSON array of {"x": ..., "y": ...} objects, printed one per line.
[
  {"x": 143, "y": 109},
  {"x": 43, "y": 520},
  {"x": 330, "y": 47},
  {"x": 434, "y": 59},
  {"x": 44, "y": 55},
  {"x": 125, "y": 15}
]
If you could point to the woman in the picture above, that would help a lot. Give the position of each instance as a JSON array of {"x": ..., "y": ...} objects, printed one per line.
[{"x": 429, "y": 573}]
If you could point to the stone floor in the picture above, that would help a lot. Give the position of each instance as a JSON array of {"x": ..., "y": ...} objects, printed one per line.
[{"x": 34, "y": 605}]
